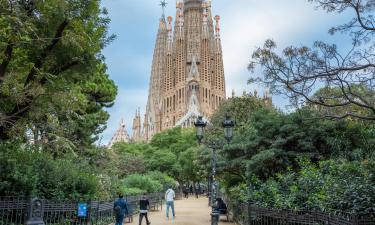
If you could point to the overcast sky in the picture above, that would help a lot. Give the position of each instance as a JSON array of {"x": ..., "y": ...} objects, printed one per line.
[{"x": 245, "y": 24}]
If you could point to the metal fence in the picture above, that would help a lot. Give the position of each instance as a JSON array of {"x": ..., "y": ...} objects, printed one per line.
[
  {"x": 14, "y": 210},
  {"x": 246, "y": 214}
]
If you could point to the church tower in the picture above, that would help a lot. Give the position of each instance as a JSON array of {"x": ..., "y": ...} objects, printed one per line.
[
  {"x": 137, "y": 127},
  {"x": 187, "y": 75},
  {"x": 121, "y": 135}
]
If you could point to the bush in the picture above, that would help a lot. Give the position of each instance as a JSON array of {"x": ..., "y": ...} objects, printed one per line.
[
  {"x": 331, "y": 186},
  {"x": 26, "y": 171},
  {"x": 131, "y": 191},
  {"x": 66, "y": 180},
  {"x": 163, "y": 179},
  {"x": 142, "y": 182}
]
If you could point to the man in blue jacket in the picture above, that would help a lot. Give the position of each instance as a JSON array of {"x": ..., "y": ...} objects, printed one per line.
[{"x": 120, "y": 208}]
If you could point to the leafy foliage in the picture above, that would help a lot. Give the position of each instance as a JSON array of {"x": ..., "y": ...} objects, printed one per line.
[
  {"x": 53, "y": 81},
  {"x": 265, "y": 154},
  {"x": 143, "y": 183},
  {"x": 331, "y": 186},
  {"x": 267, "y": 141},
  {"x": 173, "y": 152},
  {"x": 148, "y": 183},
  {"x": 28, "y": 172}
]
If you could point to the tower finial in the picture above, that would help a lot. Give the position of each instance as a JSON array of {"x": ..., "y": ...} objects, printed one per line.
[
  {"x": 163, "y": 4},
  {"x": 217, "y": 27}
]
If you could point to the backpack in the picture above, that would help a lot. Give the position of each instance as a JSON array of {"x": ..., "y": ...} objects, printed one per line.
[{"x": 117, "y": 210}]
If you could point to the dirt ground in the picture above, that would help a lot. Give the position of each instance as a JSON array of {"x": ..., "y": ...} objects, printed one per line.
[{"x": 191, "y": 211}]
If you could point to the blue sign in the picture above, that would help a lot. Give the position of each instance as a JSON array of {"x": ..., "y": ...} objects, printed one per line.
[{"x": 82, "y": 209}]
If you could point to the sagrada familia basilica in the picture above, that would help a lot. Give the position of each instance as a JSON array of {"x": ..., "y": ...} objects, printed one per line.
[{"x": 187, "y": 75}]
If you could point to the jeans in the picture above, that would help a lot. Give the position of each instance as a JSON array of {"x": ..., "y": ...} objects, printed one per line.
[
  {"x": 141, "y": 215},
  {"x": 170, "y": 204},
  {"x": 119, "y": 219}
]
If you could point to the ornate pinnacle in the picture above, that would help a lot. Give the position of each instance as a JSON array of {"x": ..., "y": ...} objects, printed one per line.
[
  {"x": 217, "y": 27},
  {"x": 163, "y": 4}
]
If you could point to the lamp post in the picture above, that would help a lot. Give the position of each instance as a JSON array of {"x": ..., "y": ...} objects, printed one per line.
[{"x": 228, "y": 126}]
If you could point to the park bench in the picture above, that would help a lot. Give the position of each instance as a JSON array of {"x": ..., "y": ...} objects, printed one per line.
[{"x": 225, "y": 214}]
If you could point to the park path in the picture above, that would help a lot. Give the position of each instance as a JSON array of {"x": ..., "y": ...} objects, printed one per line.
[{"x": 190, "y": 211}]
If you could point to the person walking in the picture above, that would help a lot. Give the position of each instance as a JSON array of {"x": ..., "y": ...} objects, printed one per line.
[
  {"x": 120, "y": 208},
  {"x": 169, "y": 199},
  {"x": 186, "y": 191},
  {"x": 144, "y": 205},
  {"x": 191, "y": 189}
]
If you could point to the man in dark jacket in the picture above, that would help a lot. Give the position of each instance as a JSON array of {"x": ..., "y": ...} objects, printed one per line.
[
  {"x": 144, "y": 205},
  {"x": 120, "y": 208},
  {"x": 221, "y": 206}
]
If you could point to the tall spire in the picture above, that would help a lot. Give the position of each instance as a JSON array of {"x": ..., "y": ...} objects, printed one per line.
[
  {"x": 163, "y": 4},
  {"x": 218, "y": 79},
  {"x": 157, "y": 73},
  {"x": 137, "y": 126}
]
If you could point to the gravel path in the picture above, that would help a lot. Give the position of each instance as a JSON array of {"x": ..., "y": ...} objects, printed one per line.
[{"x": 191, "y": 211}]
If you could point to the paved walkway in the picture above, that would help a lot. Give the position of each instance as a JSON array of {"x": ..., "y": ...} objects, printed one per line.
[{"x": 191, "y": 211}]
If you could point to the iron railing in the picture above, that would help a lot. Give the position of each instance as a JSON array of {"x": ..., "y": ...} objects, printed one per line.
[
  {"x": 13, "y": 210},
  {"x": 247, "y": 214}
]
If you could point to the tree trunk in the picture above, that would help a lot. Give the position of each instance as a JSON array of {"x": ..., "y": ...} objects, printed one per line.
[{"x": 3, "y": 135}]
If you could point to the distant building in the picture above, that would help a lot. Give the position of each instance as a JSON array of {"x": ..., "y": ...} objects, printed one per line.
[
  {"x": 187, "y": 76},
  {"x": 121, "y": 135}
]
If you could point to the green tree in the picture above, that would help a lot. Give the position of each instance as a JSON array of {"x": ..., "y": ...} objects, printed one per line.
[
  {"x": 190, "y": 169},
  {"x": 171, "y": 148},
  {"x": 53, "y": 81},
  {"x": 267, "y": 141}
]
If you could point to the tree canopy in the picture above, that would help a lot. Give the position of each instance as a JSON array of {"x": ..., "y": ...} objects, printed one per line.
[{"x": 53, "y": 81}]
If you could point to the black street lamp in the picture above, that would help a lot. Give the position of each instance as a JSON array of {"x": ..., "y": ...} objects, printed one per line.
[
  {"x": 200, "y": 124},
  {"x": 228, "y": 126}
]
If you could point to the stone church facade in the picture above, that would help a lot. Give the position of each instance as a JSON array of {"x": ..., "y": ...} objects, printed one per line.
[{"x": 187, "y": 75}]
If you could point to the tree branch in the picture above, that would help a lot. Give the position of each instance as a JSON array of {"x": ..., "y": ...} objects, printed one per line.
[
  {"x": 7, "y": 57},
  {"x": 39, "y": 62},
  {"x": 347, "y": 115},
  {"x": 359, "y": 18},
  {"x": 66, "y": 67},
  {"x": 21, "y": 110},
  {"x": 61, "y": 69}
]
